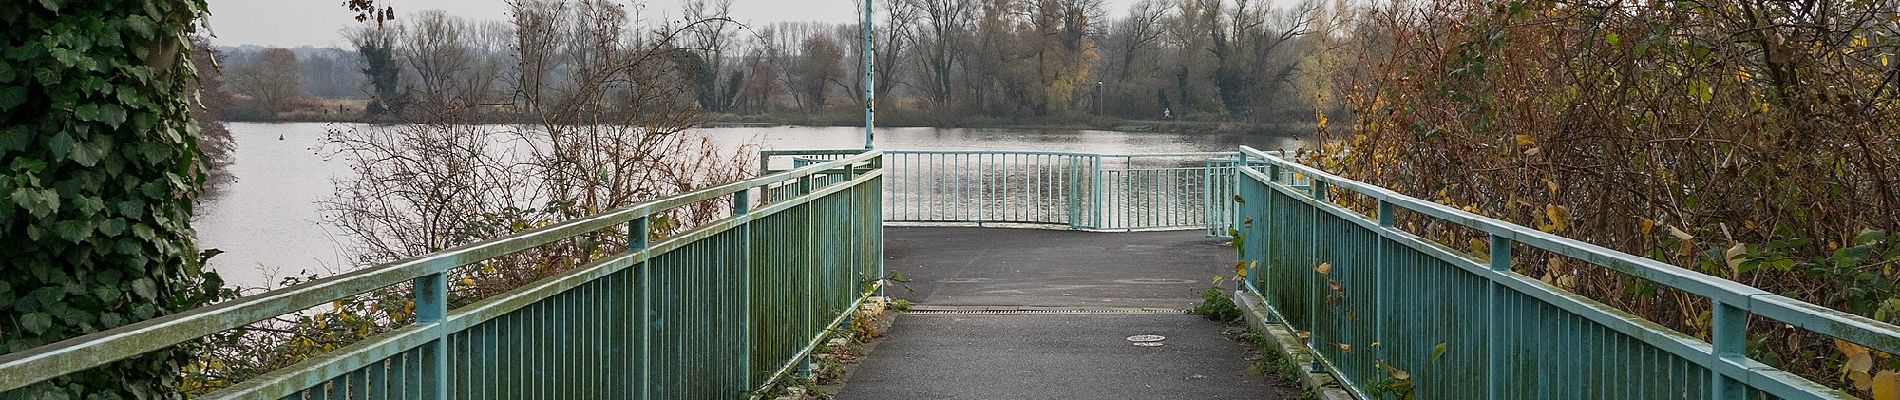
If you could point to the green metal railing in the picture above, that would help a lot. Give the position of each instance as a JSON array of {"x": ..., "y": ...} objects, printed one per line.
[
  {"x": 1082, "y": 191},
  {"x": 1464, "y": 328},
  {"x": 723, "y": 310}
]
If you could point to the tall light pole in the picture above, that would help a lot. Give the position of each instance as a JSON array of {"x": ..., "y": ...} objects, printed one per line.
[{"x": 870, "y": 79}]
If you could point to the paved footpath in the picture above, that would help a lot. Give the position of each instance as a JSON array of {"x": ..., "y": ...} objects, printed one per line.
[{"x": 1034, "y": 314}]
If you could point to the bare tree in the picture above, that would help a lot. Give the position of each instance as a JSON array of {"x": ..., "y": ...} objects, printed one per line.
[
  {"x": 820, "y": 66},
  {"x": 941, "y": 37},
  {"x": 270, "y": 81},
  {"x": 434, "y": 46}
]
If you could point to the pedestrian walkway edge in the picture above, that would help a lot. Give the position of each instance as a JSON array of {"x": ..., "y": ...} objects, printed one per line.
[{"x": 1285, "y": 342}]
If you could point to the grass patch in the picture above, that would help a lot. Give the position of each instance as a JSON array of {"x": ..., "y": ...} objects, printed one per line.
[{"x": 1215, "y": 305}]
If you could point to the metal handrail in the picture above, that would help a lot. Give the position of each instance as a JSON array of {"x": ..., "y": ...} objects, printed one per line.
[
  {"x": 1734, "y": 372},
  {"x": 23, "y": 368}
]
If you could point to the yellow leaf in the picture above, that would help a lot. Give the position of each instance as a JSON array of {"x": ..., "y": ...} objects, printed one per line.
[
  {"x": 1559, "y": 216},
  {"x": 1218, "y": 278},
  {"x": 1886, "y": 386},
  {"x": 1849, "y": 348},
  {"x": 1647, "y": 225},
  {"x": 1552, "y": 185},
  {"x": 1304, "y": 335},
  {"x": 1525, "y": 140},
  {"x": 1324, "y": 268},
  {"x": 1862, "y": 380},
  {"x": 1534, "y": 151}
]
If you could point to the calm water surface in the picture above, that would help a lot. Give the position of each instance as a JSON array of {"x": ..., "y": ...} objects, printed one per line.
[{"x": 269, "y": 226}]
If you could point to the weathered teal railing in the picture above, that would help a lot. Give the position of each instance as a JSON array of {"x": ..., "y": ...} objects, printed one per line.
[
  {"x": 1504, "y": 335},
  {"x": 723, "y": 310},
  {"x": 1083, "y": 191}
]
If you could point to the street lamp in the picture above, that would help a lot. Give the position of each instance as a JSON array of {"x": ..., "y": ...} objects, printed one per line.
[{"x": 1100, "y": 92}]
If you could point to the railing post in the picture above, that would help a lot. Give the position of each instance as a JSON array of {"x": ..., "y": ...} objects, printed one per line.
[
  {"x": 1099, "y": 191},
  {"x": 1317, "y": 189},
  {"x": 432, "y": 307},
  {"x": 637, "y": 231},
  {"x": 1728, "y": 335},
  {"x": 1382, "y": 261},
  {"x": 742, "y": 205},
  {"x": 1494, "y": 344}
]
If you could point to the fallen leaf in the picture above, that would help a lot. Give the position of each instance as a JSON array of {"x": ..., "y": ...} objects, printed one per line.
[
  {"x": 1324, "y": 268},
  {"x": 1345, "y": 348},
  {"x": 1862, "y": 363},
  {"x": 1886, "y": 386}
]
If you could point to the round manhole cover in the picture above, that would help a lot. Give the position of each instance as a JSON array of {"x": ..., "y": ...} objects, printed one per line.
[{"x": 1147, "y": 338}]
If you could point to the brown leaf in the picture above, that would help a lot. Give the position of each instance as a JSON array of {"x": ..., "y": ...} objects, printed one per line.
[
  {"x": 1324, "y": 268},
  {"x": 1862, "y": 363}
]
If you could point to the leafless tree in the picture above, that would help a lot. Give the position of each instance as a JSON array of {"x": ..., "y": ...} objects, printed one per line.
[
  {"x": 270, "y": 81},
  {"x": 436, "y": 50},
  {"x": 820, "y": 66}
]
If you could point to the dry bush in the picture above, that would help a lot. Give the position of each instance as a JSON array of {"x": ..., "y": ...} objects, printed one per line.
[{"x": 1754, "y": 140}]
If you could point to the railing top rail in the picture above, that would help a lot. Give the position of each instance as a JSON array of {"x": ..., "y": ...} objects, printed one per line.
[
  {"x": 796, "y": 152},
  {"x": 26, "y": 367},
  {"x": 1846, "y": 326},
  {"x": 1067, "y": 153}
]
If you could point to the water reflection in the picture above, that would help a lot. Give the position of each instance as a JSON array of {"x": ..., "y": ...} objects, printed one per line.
[{"x": 269, "y": 225}]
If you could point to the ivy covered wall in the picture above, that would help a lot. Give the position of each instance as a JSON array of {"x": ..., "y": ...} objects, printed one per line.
[{"x": 100, "y": 165}]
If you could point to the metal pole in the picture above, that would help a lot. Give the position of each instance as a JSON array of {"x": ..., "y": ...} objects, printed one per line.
[{"x": 870, "y": 79}]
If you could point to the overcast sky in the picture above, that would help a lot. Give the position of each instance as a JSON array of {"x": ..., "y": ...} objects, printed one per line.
[{"x": 292, "y": 23}]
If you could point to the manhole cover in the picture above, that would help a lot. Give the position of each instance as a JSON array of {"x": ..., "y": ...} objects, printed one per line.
[
  {"x": 1146, "y": 338},
  {"x": 1148, "y": 344}
]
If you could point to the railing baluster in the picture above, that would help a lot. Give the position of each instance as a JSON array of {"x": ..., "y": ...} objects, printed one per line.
[
  {"x": 1494, "y": 342},
  {"x": 432, "y": 305}
]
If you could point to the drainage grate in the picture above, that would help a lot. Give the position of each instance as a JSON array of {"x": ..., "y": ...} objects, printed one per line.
[{"x": 1043, "y": 311}]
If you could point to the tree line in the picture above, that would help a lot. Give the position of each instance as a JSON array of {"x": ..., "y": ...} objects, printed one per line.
[{"x": 937, "y": 61}]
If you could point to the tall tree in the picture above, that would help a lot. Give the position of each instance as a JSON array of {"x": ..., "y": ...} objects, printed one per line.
[{"x": 381, "y": 70}]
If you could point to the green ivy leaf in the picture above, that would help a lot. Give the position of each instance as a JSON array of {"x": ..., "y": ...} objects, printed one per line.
[
  {"x": 12, "y": 97},
  {"x": 61, "y": 145},
  {"x": 36, "y": 323},
  {"x": 112, "y": 115},
  {"x": 145, "y": 288},
  {"x": 15, "y": 139},
  {"x": 39, "y": 202},
  {"x": 112, "y": 227},
  {"x": 73, "y": 230},
  {"x": 87, "y": 154}
]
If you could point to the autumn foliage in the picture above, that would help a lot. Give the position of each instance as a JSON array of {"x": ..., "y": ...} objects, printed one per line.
[{"x": 1754, "y": 140}]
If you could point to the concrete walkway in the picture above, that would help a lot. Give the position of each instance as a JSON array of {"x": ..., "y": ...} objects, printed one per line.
[{"x": 1098, "y": 284}]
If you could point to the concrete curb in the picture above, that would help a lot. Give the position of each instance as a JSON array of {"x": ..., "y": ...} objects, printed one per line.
[{"x": 1285, "y": 342}]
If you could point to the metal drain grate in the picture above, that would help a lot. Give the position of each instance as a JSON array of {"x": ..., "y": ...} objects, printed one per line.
[{"x": 1044, "y": 311}]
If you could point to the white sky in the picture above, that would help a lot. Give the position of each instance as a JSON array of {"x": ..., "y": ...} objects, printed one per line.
[{"x": 292, "y": 23}]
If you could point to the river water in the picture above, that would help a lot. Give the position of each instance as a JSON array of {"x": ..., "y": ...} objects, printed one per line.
[{"x": 269, "y": 225}]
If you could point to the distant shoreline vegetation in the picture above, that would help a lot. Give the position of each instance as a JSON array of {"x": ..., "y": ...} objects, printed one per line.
[{"x": 351, "y": 112}]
